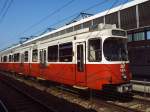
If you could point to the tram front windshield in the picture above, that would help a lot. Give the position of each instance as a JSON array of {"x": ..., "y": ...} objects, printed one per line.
[{"x": 115, "y": 49}]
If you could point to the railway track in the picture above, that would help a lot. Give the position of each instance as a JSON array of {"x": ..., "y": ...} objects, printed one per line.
[
  {"x": 135, "y": 105},
  {"x": 101, "y": 103},
  {"x": 19, "y": 97},
  {"x": 123, "y": 103},
  {"x": 20, "y": 100},
  {"x": 3, "y": 107},
  {"x": 129, "y": 102}
]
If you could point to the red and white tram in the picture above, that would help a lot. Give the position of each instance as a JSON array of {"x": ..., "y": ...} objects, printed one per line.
[{"x": 87, "y": 58}]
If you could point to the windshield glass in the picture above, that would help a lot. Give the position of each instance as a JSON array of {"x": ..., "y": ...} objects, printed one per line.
[{"x": 115, "y": 49}]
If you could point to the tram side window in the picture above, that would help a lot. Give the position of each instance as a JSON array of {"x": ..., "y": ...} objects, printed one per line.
[
  {"x": 53, "y": 53},
  {"x": 26, "y": 56},
  {"x": 65, "y": 52},
  {"x": 16, "y": 57},
  {"x": 1, "y": 59},
  {"x": 94, "y": 50},
  {"x": 34, "y": 55},
  {"x": 5, "y": 58},
  {"x": 10, "y": 58}
]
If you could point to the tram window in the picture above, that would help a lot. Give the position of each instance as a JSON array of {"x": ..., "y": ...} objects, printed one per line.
[
  {"x": 10, "y": 58},
  {"x": 148, "y": 35},
  {"x": 16, "y": 57},
  {"x": 43, "y": 56},
  {"x": 26, "y": 56},
  {"x": 22, "y": 58},
  {"x": 80, "y": 58},
  {"x": 65, "y": 52},
  {"x": 34, "y": 55},
  {"x": 5, "y": 58},
  {"x": 53, "y": 53},
  {"x": 94, "y": 50},
  {"x": 115, "y": 49},
  {"x": 1, "y": 59}
]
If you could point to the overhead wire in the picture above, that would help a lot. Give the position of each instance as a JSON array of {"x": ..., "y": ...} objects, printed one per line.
[
  {"x": 6, "y": 10},
  {"x": 0, "y": 2},
  {"x": 48, "y": 16},
  {"x": 75, "y": 14},
  {"x": 95, "y": 5},
  {"x": 121, "y": 6},
  {"x": 4, "y": 6},
  {"x": 116, "y": 1}
]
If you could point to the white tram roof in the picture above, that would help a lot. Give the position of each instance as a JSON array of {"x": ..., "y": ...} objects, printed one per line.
[{"x": 120, "y": 7}]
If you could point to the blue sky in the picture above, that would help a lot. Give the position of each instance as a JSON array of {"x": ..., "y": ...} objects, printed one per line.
[{"x": 24, "y": 13}]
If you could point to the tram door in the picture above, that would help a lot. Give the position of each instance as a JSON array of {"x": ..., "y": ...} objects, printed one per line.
[
  {"x": 80, "y": 64},
  {"x": 42, "y": 62},
  {"x": 22, "y": 63}
]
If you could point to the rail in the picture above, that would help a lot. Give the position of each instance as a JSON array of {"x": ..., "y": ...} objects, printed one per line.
[
  {"x": 3, "y": 107},
  {"x": 113, "y": 102},
  {"x": 42, "y": 98}
]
